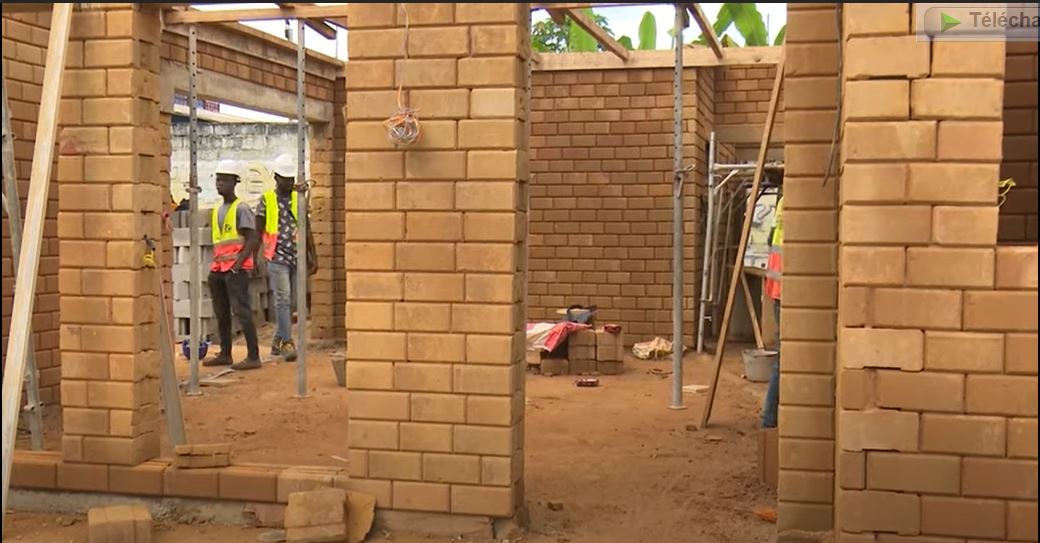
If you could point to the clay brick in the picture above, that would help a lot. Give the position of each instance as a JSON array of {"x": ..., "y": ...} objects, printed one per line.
[
  {"x": 856, "y": 389},
  {"x": 374, "y": 286},
  {"x": 72, "y": 448},
  {"x": 375, "y": 345},
  {"x": 499, "y": 40},
  {"x": 1016, "y": 268},
  {"x": 805, "y": 486},
  {"x": 879, "y": 511},
  {"x": 486, "y": 257},
  {"x": 450, "y": 468},
  {"x": 420, "y": 73},
  {"x": 435, "y": 165},
  {"x": 815, "y": 390},
  {"x": 378, "y": 405},
  {"x": 87, "y": 477},
  {"x": 890, "y": 140},
  {"x": 248, "y": 483},
  {"x": 370, "y": 375},
  {"x": 1000, "y": 311},
  {"x": 886, "y": 224},
  {"x": 917, "y": 308},
  {"x": 811, "y": 59},
  {"x": 439, "y": 42},
  {"x": 441, "y": 103},
  {"x": 968, "y": 58},
  {"x": 878, "y": 429},
  {"x": 960, "y": 434},
  {"x": 381, "y": 43},
  {"x": 490, "y": 72},
  {"x": 957, "y": 98},
  {"x": 489, "y": 134},
  {"x": 809, "y": 93},
  {"x": 490, "y": 410},
  {"x": 808, "y": 324},
  {"x": 915, "y": 473},
  {"x": 1021, "y": 438},
  {"x": 872, "y": 265},
  {"x": 974, "y": 183},
  {"x": 852, "y": 470},
  {"x": 438, "y": 408},
  {"x": 1001, "y": 395},
  {"x": 33, "y": 470},
  {"x": 369, "y": 74},
  {"x": 877, "y": 100},
  {"x": 999, "y": 478},
  {"x": 965, "y": 225},
  {"x": 805, "y": 454},
  {"x": 810, "y": 226},
  {"x": 1020, "y": 355},
  {"x": 1021, "y": 521},
  {"x": 420, "y": 496},
  {"x": 487, "y": 319},
  {"x": 937, "y": 267},
  {"x": 144, "y": 479},
  {"x": 495, "y": 502},
  {"x": 424, "y": 257},
  {"x": 367, "y": 226},
  {"x": 498, "y": 471},
  {"x": 483, "y": 440},
  {"x": 482, "y": 379},
  {"x": 489, "y": 13},
  {"x": 492, "y": 288},
  {"x": 970, "y": 140},
  {"x": 964, "y": 352},
  {"x": 882, "y": 348},
  {"x": 811, "y": 258},
  {"x": 484, "y": 196},
  {"x": 422, "y": 317},
  {"x": 498, "y": 165},
  {"x": 375, "y": 166},
  {"x": 888, "y": 56},
  {"x": 962, "y": 517},
  {"x": 496, "y": 103},
  {"x": 424, "y": 195},
  {"x": 370, "y": 256},
  {"x": 427, "y": 226},
  {"x": 807, "y": 422},
  {"x": 370, "y": 316},
  {"x": 863, "y": 19},
  {"x": 369, "y": 434},
  {"x": 85, "y": 421},
  {"x": 902, "y": 390},
  {"x": 804, "y": 516}
]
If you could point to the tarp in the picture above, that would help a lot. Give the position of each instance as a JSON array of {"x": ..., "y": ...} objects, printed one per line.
[{"x": 547, "y": 336}]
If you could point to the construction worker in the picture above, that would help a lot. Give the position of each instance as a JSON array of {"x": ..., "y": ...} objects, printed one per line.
[
  {"x": 234, "y": 244},
  {"x": 774, "y": 272},
  {"x": 277, "y": 214}
]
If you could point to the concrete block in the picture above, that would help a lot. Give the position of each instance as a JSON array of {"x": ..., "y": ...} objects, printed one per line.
[{"x": 119, "y": 524}]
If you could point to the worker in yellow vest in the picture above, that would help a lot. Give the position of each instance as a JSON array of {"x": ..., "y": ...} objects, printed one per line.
[
  {"x": 234, "y": 244},
  {"x": 277, "y": 215},
  {"x": 774, "y": 273}
]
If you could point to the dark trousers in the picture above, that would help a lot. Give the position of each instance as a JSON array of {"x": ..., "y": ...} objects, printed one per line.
[{"x": 230, "y": 294}]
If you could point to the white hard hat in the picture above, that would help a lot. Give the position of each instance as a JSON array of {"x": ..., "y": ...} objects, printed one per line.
[
  {"x": 228, "y": 167},
  {"x": 284, "y": 166}
]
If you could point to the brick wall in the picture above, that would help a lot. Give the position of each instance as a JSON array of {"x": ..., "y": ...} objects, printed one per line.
[
  {"x": 435, "y": 238},
  {"x": 809, "y": 294},
  {"x": 937, "y": 355},
  {"x": 24, "y": 50},
  {"x": 1018, "y": 214},
  {"x": 742, "y": 93},
  {"x": 601, "y": 204}
]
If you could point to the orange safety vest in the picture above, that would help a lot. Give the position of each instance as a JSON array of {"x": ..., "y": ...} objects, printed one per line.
[
  {"x": 775, "y": 266},
  {"x": 271, "y": 220},
  {"x": 227, "y": 243}
]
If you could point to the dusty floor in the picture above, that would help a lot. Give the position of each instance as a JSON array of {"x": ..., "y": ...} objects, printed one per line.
[{"x": 625, "y": 467}]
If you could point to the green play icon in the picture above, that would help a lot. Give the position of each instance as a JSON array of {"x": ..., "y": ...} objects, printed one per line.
[{"x": 948, "y": 22}]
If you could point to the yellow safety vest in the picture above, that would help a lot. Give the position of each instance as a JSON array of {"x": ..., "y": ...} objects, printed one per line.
[
  {"x": 227, "y": 243},
  {"x": 271, "y": 220},
  {"x": 775, "y": 266}
]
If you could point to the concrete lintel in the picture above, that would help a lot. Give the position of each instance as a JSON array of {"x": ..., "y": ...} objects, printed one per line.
[{"x": 237, "y": 92}]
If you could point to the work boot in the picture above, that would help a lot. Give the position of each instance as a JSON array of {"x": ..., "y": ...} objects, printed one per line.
[
  {"x": 288, "y": 350},
  {"x": 276, "y": 346},
  {"x": 247, "y": 364},
  {"x": 219, "y": 360}
]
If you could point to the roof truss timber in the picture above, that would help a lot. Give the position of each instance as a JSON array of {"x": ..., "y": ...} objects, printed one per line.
[
  {"x": 693, "y": 56},
  {"x": 709, "y": 31},
  {"x": 335, "y": 15},
  {"x": 321, "y": 27},
  {"x": 597, "y": 32}
]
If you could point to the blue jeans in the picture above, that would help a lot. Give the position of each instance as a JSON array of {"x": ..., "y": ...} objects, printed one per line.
[
  {"x": 282, "y": 281},
  {"x": 772, "y": 403}
]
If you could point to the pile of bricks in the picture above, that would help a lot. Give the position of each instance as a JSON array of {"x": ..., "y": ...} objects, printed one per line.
[
  {"x": 589, "y": 352},
  {"x": 214, "y": 455},
  {"x": 119, "y": 524}
]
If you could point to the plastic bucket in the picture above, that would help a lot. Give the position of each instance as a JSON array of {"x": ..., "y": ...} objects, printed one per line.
[
  {"x": 339, "y": 366},
  {"x": 758, "y": 364}
]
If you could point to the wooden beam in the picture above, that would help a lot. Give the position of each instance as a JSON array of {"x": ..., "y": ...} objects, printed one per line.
[
  {"x": 708, "y": 30},
  {"x": 692, "y": 57},
  {"x": 557, "y": 16},
  {"x": 173, "y": 17},
  {"x": 563, "y": 5},
  {"x": 317, "y": 25},
  {"x": 598, "y": 33},
  {"x": 536, "y": 57},
  {"x": 745, "y": 233},
  {"x": 19, "y": 340}
]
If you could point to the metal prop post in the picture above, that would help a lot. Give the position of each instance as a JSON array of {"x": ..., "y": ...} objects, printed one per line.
[{"x": 677, "y": 215}]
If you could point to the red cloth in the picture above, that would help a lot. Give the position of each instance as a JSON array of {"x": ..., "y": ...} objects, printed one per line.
[{"x": 560, "y": 333}]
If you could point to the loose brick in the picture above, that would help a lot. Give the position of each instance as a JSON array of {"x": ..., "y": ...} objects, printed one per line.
[
  {"x": 878, "y": 429},
  {"x": 960, "y": 434},
  {"x": 882, "y": 348},
  {"x": 969, "y": 140},
  {"x": 915, "y": 473},
  {"x": 940, "y": 267},
  {"x": 973, "y": 183},
  {"x": 873, "y": 265},
  {"x": 964, "y": 352},
  {"x": 879, "y": 511},
  {"x": 1016, "y": 268},
  {"x": 1000, "y": 311},
  {"x": 917, "y": 308},
  {"x": 963, "y": 517},
  {"x": 902, "y": 390},
  {"x": 1020, "y": 355},
  {"x": 877, "y": 100},
  {"x": 886, "y": 224},
  {"x": 451, "y": 468},
  {"x": 876, "y": 57},
  {"x": 319, "y": 507},
  {"x": 1001, "y": 395},
  {"x": 421, "y": 496},
  {"x": 294, "y": 479}
]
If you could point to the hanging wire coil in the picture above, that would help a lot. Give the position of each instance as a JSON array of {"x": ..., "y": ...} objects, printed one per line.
[{"x": 403, "y": 126}]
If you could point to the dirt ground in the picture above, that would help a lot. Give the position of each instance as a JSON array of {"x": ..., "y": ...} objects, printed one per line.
[{"x": 625, "y": 467}]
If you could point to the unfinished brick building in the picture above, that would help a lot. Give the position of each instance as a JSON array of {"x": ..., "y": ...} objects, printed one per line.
[{"x": 908, "y": 391}]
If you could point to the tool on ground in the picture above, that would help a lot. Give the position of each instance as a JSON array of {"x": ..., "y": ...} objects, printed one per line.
[{"x": 171, "y": 394}]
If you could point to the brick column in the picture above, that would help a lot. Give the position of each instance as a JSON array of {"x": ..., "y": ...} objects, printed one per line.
[
  {"x": 809, "y": 297},
  {"x": 326, "y": 212},
  {"x": 109, "y": 198},
  {"x": 937, "y": 345},
  {"x": 435, "y": 234}
]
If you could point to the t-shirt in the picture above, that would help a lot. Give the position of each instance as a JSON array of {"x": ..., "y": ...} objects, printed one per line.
[
  {"x": 285, "y": 247},
  {"x": 244, "y": 218}
]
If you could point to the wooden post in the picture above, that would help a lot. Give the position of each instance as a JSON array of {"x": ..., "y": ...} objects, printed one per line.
[
  {"x": 745, "y": 232},
  {"x": 18, "y": 341},
  {"x": 755, "y": 327}
]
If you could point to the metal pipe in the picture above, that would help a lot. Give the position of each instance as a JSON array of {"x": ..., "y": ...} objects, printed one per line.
[
  {"x": 708, "y": 231},
  {"x": 677, "y": 215},
  {"x": 750, "y": 166},
  {"x": 194, "y": 250},
  {"x": 14, "y": 220},
  {"x": 721, "y": 185},
  {"x": 302, "y": 276}
]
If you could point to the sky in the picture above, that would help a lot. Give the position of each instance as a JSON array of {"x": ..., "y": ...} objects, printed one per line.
[{"x": 623, "y": 21}]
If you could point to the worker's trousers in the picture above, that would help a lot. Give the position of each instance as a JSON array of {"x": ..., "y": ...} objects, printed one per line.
[
  {"x": 772, "y": 403},
  {"x": 282, "y": 280},
  {"x": 230, "y": 295}
]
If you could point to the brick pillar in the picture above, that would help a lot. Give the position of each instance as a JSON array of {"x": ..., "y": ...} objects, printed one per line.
[
  {"x": 325, "y": 209},
  {"x": 110, "y": 197},
  {"x": 937, "y": 344},
  {"x": 805, "y": 491},
  {"x": 435, "y": 234}
]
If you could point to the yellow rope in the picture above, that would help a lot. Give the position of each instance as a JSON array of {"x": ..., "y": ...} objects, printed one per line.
[
  {"x": 403, "y": 127},
  {"x": 1004, "y": 186}
]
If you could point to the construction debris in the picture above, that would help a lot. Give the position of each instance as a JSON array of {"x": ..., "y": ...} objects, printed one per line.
[
  {"x": 317, "y": 516},
  {"x": 119, "y": 524},
  {"x": 656, "y": 348},
  {"x": 361, "y": 511},
  {"x": 215, "y": 455}
]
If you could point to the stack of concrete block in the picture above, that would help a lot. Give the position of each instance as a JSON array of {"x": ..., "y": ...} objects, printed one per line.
[
  {"x": 119, "y": 524},
  {"x": 213, "y": 455},
  {"x": 182, "y": 281},
  {"x": 588, "y": 352},
  {"x": 316, "y": 516},
  {"x": 610, "y": 352},
  {"x": 581, "y": 352}
]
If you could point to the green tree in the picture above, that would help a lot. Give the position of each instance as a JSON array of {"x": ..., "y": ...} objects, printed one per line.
[
  {"x": 549, "y": 37},
  {"x": 748, "y": 22}
]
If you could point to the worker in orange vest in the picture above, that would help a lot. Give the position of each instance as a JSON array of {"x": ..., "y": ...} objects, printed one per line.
[
  {"x": 774, "y": 273},
  {"x": 234, "y": 243}
]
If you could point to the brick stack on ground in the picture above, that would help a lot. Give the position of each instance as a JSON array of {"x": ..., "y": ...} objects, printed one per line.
[
  {"x": 588, "y": 352},
  {"x": 119, "y": 524}
]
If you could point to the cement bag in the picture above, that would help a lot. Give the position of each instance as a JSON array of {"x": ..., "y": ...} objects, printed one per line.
[{"x": 656, "y": 348}]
